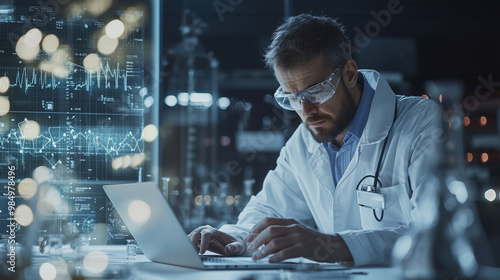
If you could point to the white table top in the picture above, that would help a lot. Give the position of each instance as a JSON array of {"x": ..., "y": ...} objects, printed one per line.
[{"x": 119, "y": 267}]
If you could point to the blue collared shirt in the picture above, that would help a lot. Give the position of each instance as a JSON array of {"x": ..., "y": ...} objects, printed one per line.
[{"x": 341, "y": 157}]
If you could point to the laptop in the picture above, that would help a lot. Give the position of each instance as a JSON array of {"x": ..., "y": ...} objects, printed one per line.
[{"x": 153, "y": 224}]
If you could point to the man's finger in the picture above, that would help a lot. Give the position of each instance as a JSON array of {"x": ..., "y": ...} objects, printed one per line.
[
  {"x": 265, "y": 223},
  {"x": 235, "y": 248},
  {"x": 195, "y": 235},
  {"x": 207, "y": 235},
  {"x": 286, "y": 253},
  {"x": 267, "y": 235},
  {"x": 274, "y": 246}
]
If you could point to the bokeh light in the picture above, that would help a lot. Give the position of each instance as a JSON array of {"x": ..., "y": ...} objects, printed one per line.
[
  {"x": 33, "y": 38},
  {"x": 150, "y": 133},
  {"x": 483, "y": 121},
  {"x": 27, "y": 188},
  {"x": 92, "y": 62},
  {"x": 125, "y": 162},
  {"x": 149, "y": 101},
  {"x": 137, "y": 160},
  {"x": 47, "y": 271},
  {"x": 59, "y": 63},
  {"x": 116, "y": 163},
  {"x": 115, "y": 28},
  {"x": 223, "y": 102},
  {"x": 107, "y": 45},
  {"x": 484, "y": 157},
  {"x": 50, "y": 43},
  {"x": 97, "y": 7},
  {"x": 466, "y": 121},
  {"x": 4, "y": 84},
  {"x": 24, "y": 51},
  {"x": 183, "y": 98},
  {"x": 131, "y": 15},
  {"x": 490, "y": 195},
  {"x": 23, "y": 215},
  {"x": 42, "y": 174},
  {"x": 171, "y": 100},
  {"x": 139, "y": 211},
  {"x": 95, "y": 262},
  {"x": 470, "y": 157},
  {"x": 4, "y": 106},
  {"x": 30, "y": 130}
]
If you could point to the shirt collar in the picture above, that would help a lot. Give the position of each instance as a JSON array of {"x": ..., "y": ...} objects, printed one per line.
[
  {"x": 361, "y": 116},
  {"x": 363, "y": 110}
]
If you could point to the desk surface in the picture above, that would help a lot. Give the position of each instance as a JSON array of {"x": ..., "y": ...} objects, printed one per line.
[{"x": 118, "y": 267}]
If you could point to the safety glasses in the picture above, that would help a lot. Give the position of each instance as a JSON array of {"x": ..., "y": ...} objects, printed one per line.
[{"x": 318, "y": 93}]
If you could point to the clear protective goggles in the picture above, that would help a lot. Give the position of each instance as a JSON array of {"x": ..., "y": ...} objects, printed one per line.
[{"x": 318, "y": 93}]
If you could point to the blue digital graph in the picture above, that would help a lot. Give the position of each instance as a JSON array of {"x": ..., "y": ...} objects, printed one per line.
[
  {"x": 84, "y": 118},
  {"x": 106, "y": 77}
]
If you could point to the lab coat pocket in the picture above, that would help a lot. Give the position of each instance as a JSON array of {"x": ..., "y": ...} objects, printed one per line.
[{"x": 393, "y": 215}]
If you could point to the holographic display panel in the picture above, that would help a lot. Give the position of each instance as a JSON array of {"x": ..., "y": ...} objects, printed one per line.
[{"x": 74, "y": 102}]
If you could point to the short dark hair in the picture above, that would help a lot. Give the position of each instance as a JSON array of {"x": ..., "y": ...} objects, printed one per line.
[{"x": 301, "y": 38}]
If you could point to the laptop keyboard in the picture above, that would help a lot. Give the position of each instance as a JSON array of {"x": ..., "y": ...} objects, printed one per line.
[{"x": 224, "y": 260}]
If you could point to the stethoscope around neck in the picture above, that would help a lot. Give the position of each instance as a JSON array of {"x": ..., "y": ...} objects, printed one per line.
[{"x": 370, "y": 196}]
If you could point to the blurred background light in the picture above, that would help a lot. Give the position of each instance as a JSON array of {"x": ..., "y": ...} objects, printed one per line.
[
  {"x": 24, "y": 51},
  {"x": 4, "y": 84},
  {"x": 96, "y": 262},
  {"x": 4, "y": 106},
  {"x": 483, "y": 121},
  {"x": 47, "y": 271},
  {"x": 97, "y": 7},
  {"x": 490, "y": 195},
  {"x": 92, "y": 62},
  {"x": 27, "y": 188},
  {"x": 139, "y": 211},
  {"x": 183, "y": 98},
  {"x": 171, "y": 100},
  {"x": 23, "y": 215},
  {"x": 107, "y": 45},
  {"x": 30, "y": 130},
  {"x": 149, "y": 101},
  {"x": 115, "y": 28},
  {"x": 50, "y": 43},
  {"x": 150, "y": 132},
  {"x": 484, "y": 157},
  {"x": 223, "y": 102},
  {"x": 33, "y": 38}
]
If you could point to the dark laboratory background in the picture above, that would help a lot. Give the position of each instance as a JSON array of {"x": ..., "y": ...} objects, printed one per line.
[{"x": 224, "y": 151}]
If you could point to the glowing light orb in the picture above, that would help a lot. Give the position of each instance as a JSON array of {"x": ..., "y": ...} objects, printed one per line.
[
  {"x": 107, "y": 45},
  {"x": 27, "y": 188},
  {"x": 30, "y": 130},
  {"x": 92, "y": 62},
  {"x": 23, "y": 215},
  {"x": 115, "y": 28},
  {"x": 150, "y": 133},
  {"x": 139, "y": 211},
  {"x": 50, "y": 43},
  {"x": 95, "y": 262}
]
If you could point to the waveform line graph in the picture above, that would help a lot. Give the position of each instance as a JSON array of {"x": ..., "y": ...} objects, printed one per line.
[
  {"x": 58, "y": 141},
  {"x": 106, "y": 76}
]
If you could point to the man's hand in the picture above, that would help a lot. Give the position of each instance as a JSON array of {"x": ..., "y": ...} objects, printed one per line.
[
  {"x": 208, "y": 238},
  {"x": 286, "y": 238}
]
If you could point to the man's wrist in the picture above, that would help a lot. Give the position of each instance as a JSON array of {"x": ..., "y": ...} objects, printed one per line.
[{"x": 332, "y": 248}]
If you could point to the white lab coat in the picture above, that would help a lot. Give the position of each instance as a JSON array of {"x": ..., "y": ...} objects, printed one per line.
[{"x": 301, "y": 186}]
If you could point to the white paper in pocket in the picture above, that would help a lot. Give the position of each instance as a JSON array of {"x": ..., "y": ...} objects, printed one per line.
[{"x": 371, "y": 200}]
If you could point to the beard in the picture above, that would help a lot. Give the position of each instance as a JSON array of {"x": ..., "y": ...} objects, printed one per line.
[{"x": 344, "y": 119}]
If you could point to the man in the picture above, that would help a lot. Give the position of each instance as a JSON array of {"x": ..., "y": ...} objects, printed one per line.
[{"x": 353, "y": 126}]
